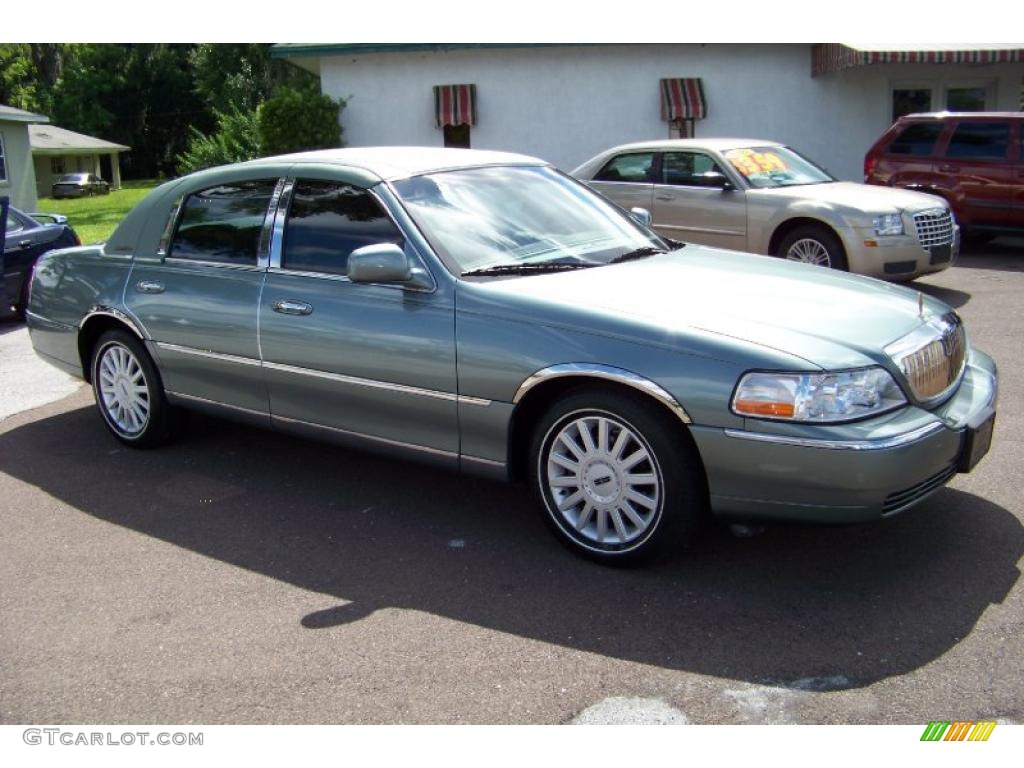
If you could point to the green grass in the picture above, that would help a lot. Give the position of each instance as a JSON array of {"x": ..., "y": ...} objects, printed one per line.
[{"x": 95, "y": 218}]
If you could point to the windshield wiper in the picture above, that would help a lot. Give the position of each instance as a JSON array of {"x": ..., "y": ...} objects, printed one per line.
[
  {"x": 638, "y": 253},
  {"x": 528, "y": 268}
]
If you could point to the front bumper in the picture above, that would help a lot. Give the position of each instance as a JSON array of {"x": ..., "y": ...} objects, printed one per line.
[
  {"x": 845, "y": 473},
  {"x": 900, "y": 257}
]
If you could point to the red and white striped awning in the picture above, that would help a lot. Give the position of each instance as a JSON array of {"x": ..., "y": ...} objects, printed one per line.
[
  {"x": 827, "y": 58},
  {"x": 682, "y": 98},
  {"x": 455, "y": 104}
]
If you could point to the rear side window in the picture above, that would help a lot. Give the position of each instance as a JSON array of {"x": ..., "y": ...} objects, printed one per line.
[
  {"x": 327, "y": 221},
  {"x": 634, "y": 167},
  {"x": 916, "y": 139},
  {"x": 223, "y": 223},
  {"x": 988, "y": 140}
]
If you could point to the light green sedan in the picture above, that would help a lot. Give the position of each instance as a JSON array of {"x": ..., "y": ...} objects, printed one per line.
[{"x": 488, "y": 314}]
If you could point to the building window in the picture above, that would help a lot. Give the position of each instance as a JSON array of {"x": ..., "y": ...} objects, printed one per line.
[
  {"x": 57, "y": 166},
  {"x": 3, "y": 161},
  {"x": 682, "y": 104},
  {"x": 455, "y": 112},
  {"x": 681, "y": 129},
  {"x": 457, "y": 136},
  {"x": 909, "y": 98}
]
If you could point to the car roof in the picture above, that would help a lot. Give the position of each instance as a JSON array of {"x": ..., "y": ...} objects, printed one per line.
[
  {"x": 717, "y": 145},
  {"x": 962, "y": 115},
  {"x": 390, "y": 163}
]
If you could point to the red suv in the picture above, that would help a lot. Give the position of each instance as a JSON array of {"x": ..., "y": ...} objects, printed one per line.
[{"x": 975, "y": 160}]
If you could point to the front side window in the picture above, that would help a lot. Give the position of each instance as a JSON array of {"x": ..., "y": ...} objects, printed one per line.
[
  {"x": 979, "y": 139},
  {"x": 636, "y": 167},
  {"x": 480, "y": 218},
  {"x": 689, "y": 169},
  {"x": 917, "y": 139},
  {"x": 770, "y": 167},
  {"x": 223, "y": 223},
  {"x": 327, "y": 221}
]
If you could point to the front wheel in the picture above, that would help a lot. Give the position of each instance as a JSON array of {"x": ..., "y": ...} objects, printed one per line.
[
  {"x": 815, "y": 245},
  {"x": 128, "y": 391},
  {"x": 618, "y": 480}
]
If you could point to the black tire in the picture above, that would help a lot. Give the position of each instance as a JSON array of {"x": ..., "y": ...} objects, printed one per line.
[
  {"x": 811, "y": 234},
  {"x": 679, "y": 498},
  {"x": 124, "y": 423},
  {"x": 21, "y": 305}
]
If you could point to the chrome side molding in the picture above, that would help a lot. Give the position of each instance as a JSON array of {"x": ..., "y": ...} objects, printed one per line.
[
  {"x": 841, "y": 445},
  {"x": 606, "y": 373}
]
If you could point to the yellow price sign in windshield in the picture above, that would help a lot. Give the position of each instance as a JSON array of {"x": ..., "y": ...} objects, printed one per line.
[{"x": 750, "y": 162}]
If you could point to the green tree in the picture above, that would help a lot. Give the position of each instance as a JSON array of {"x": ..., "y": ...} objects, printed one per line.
[
  {"x": 236, "y": 139},
  {"x": 299, "y": 119}
]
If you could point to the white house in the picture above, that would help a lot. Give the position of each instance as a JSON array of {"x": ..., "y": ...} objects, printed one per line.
[
  {"x": 564, "y": 103},
  {"x": 17, "y": 176}
]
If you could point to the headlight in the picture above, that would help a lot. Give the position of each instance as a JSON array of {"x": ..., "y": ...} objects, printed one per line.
[
  {"x": 888, "y": 224},
  {"x": 817, "y": 397}
]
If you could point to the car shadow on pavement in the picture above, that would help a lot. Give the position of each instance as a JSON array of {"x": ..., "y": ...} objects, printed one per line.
[
  {"x": 11, "y": 323},
  {"x": 850, "y": 605}
]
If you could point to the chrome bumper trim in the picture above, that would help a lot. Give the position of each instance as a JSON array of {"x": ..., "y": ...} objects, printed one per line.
[{"x": 841, "y": 445}]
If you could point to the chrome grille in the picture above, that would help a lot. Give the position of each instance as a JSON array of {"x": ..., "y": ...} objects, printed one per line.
[
  {"x": 932, "y": 358},
  {"x": 934, "y": 227}
]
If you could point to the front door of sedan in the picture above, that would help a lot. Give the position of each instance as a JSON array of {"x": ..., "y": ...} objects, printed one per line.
[
  {"x": 691, "y": 205},
  {"x": 199, "y": 303},
  {"x": 356, "y": 360},
  {"x": 627, "y": 179}
]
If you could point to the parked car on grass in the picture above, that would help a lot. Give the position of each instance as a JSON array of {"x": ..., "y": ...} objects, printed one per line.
[
  {"x": 79, "y": 185},
  {"x": 484, "y": 312},
  {"x": 26, "y": 239},
  {"x": 972, "y": 160},
  {"x": 763, "y": 197}
]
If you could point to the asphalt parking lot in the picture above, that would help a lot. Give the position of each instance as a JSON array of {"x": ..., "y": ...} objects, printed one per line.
[{"x": 247, "y": 577}]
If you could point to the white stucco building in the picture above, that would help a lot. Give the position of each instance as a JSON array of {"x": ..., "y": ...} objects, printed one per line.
[{"x": 564, "y": 103}]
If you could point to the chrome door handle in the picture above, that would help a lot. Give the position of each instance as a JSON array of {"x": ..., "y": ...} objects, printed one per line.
[
  {"x": 149, "y": 286},
  {"x": 288, "y": 307},
  {"x": 666, "y": 198},
  {"x": 947, "y": 168}
]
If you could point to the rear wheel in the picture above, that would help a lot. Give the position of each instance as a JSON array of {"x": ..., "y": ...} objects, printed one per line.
[
  {"x": 617, "y": 483},
  {"x": 813, "y": 244},
  {"x": 128, "y": 391}
]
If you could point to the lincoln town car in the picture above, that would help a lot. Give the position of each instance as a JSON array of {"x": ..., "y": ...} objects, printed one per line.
[{"x": 489, "y": 314}]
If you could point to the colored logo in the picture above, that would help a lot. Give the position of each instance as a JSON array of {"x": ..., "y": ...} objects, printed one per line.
[{"x": 958, "y": 730}]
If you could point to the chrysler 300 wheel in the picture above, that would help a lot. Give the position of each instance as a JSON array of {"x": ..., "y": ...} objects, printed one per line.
[
  {"x": 618, "y": 479},
  {"x": 813, "y": 245},
  {"x": 128, "y": 391}
]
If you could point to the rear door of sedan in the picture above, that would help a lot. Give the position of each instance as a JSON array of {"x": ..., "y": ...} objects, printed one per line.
[
  {"x": 198, "y": 297},
  {"x": 373, "y": 363},
  {"x": 691, "y": 205}
]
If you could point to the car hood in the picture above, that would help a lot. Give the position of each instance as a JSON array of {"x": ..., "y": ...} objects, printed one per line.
[
  {"x": 718, "y": 303},
  {"x": 866, "y": 198}
]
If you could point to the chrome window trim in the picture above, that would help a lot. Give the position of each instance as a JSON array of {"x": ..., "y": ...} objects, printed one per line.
[
  {"x": 277, "y": 241},
  {"x": 607, "y": 373},
  {"x": 267, "y": 230},
  {"x": 883, "y": 443},
  {"x": 174, "y": 261},
  {"x": 118, "y": 314},
  {"x": 208, "y": 353},
  {"x": 163, "y": 247}
]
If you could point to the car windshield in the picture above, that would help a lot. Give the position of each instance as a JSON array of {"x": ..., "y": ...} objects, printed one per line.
[
  {"x": 769, "y": 167},
  {"x": 519, "y": 216},
  {"x": 70, "y": 178}
]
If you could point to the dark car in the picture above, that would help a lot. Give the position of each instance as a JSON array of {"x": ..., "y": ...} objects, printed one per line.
[
  {"x": 26, "y": 239},
  {"x": 973, "y": 160},
  {"x": 79, "y": 185}
]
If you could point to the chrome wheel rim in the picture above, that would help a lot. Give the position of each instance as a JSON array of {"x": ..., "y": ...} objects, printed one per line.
[
  {"x": 809, "y": 251},
  {"x": 603, "y": 482},
  {"x": 124, "y": 394}
]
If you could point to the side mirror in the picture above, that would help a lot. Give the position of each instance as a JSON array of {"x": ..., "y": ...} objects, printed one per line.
[
  {"x": 380, "y": 263},
  {"x": 641, "y": 216},
  {"x": 720, "y": 180}
]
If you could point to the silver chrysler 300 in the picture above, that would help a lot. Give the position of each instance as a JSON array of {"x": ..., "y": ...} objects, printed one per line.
[
  {"x": 487, "y": 313},
  {"x": 763, "y": 197}
]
